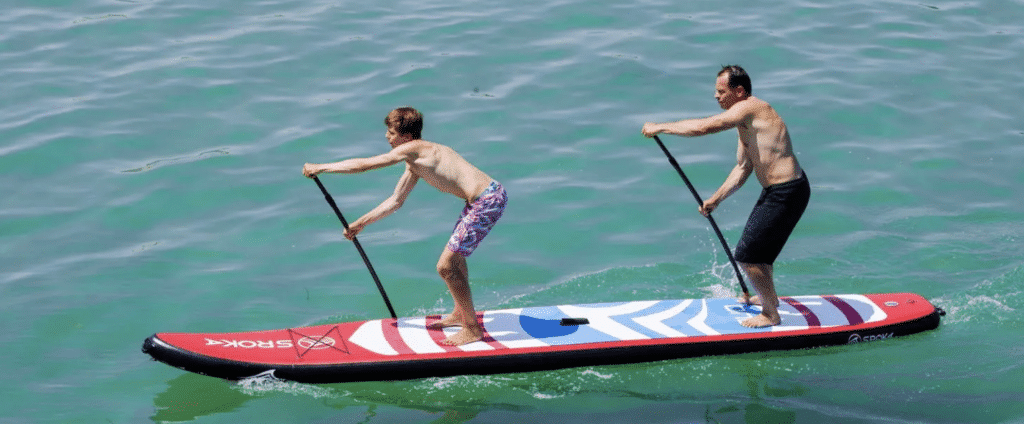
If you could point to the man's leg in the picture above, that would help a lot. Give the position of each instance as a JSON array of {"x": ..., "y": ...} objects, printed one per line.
[
  {"x": 453, "y": 269},
  {"x": 761, "y": 278}
]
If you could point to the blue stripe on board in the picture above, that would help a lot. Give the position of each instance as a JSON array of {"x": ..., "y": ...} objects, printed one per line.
[
  {"x": 629, "y": 320},
  {"x": 722, "y": 317}
]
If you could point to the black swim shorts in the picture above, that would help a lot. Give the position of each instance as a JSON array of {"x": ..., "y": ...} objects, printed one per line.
[{"x": 772, "y": 221}]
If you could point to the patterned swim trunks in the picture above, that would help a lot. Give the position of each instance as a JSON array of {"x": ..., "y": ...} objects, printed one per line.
[{"x": 477, "y": 219}]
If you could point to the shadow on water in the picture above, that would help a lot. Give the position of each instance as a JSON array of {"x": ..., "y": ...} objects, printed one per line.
[
  {"x": 191, "y": 396},
  {"x": 696, "y": 390}
]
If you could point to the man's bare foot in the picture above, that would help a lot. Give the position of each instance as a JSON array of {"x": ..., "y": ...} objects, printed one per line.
[
  {"x": 751, "y": 300},
  {"x": 465, "y": 335},
  {"x": 761, "y": 321},
  {"x": 448, "y": 321}
]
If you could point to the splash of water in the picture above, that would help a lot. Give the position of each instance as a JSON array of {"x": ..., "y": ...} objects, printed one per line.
[
  {"x": 266, "y": 383},
  {"x": 722, "y": 279}
]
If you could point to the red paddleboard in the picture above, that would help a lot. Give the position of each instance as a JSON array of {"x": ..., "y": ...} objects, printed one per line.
[{"x": 542, "y": 338}]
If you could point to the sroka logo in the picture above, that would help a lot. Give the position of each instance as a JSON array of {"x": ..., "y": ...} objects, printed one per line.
[
  {"x": 310, "y": 343},
  {"x": 251, "y": 344},
  {"x": 316, "y": 343},
  {"x": 856, "y": 338}
]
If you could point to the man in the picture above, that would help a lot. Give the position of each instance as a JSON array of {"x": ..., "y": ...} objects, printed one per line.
[
  {"x": 444, "y": 169},
  {"x": 766, "y": 151}
]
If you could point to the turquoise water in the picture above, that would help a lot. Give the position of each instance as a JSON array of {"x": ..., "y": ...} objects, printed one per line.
[{"x": 151, "y": 151}]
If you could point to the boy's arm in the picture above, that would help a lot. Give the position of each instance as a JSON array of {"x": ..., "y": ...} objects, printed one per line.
[
  {"x": 357, "y": 165},
  {"x": 388, "y": 206}
]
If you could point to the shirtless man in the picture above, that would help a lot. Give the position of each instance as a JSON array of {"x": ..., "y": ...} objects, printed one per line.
[
  {"x": 444, "y": 169},
  {"x": 766, "y": 151}
]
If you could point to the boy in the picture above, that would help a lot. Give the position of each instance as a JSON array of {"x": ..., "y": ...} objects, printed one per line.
[{"x": 443, "y": 168}]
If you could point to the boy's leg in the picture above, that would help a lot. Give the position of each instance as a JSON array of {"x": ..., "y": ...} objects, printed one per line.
[{"x": 453, "y": 269}]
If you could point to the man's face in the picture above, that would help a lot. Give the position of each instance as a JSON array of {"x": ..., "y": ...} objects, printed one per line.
[{"x": 725, "y": 95}]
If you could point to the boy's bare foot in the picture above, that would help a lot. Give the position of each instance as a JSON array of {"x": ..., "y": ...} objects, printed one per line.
[
  {"x": 761, "y": 321},
  {"x": 448, "y": 321},
  {"x": 465, "y": 335}
]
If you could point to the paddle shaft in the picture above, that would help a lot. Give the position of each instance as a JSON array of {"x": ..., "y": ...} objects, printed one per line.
[
  {"x": 700, "y": 202},
  {"x": 344, "y": 223}
]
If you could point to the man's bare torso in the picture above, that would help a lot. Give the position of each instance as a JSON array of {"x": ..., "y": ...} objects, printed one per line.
[
  {"x": 442, "y": 167},
  {"x": 765, "y": 141}
]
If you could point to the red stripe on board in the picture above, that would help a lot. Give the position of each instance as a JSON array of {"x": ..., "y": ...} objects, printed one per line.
[
  {"x": 851, "y": 314},
  {"x": 393, "y": 338},
  {"x": 487, "y": 337},
  {"x": 812, "y": 320},
  {"x": 437, "y": 334}
]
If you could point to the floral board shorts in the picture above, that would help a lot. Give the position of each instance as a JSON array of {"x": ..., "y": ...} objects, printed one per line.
[{"x": 478, "y": 217}]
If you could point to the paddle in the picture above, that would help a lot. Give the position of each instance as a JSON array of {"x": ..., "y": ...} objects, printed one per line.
[
  {"x": 344, "y": 223},
  {"x": 696, "y": 196}
]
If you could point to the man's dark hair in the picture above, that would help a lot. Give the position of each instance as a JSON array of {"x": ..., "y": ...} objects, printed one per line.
[
  {"x": 405, "y": 120},
  {"x": 737, "y": 77}
]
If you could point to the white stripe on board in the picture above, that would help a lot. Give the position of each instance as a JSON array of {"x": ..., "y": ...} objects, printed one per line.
[
  {"x": 698, "y": 323},
  {"x": 414, "y": 333},
  {"x": 877, "y": 313},
  {"x": 655, "y": 322},
  {"x": 600, "y": 318},
  {"x": 370, "y": 336}
]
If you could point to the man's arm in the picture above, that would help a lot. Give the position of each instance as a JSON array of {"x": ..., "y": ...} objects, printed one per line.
[
  {"x": 401, "y": 153},
  {"x": 733, "y": 182},
  {"x": 701, "y": 126},
  {"x": 388, "y": 206}
]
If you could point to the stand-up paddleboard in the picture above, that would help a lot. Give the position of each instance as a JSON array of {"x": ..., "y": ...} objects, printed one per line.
[{"x": 542, "y": 338}]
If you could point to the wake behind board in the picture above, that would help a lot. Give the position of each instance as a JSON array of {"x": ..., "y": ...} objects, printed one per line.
[{"x": 541, "y": 338}]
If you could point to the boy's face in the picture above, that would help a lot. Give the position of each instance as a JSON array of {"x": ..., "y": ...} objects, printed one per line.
[{"x": 395, "y": 138}]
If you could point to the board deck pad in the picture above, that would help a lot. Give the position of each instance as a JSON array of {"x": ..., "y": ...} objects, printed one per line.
[{"x": 542, "y": 338}]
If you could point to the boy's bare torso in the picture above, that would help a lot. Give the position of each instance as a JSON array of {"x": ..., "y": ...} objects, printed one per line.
[{"x": 446, "y": 170}]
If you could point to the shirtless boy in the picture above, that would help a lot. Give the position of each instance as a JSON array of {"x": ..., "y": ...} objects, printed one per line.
[
  {"x": 444, "y": 169},
  {"x": 766, "y": 151}
]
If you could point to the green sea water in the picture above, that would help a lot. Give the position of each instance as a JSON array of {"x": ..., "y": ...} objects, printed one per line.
[{"x": 151, "y": 154}]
